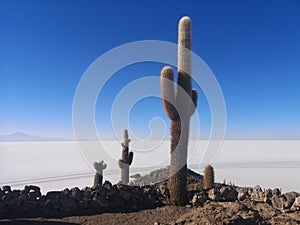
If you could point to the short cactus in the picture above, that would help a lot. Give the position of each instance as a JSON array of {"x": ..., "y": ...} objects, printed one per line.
[
  {"x": 209, "y": 177},
  {"x": 126, "y": 160},
  {"x": 98, "y": 178},
  {"x": 179, "y": 107}
]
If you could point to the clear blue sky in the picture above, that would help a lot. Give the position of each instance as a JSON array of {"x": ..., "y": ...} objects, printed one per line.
[{"x": 252, "y": 47}]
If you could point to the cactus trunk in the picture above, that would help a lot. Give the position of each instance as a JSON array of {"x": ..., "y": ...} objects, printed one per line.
[
  {"x": 178, "y": 179},
  {"x": 98, "y": 178},
  {"x": 125, "y": 174},
  {"x": 209, "y": 177},
  {"x": 126, "y": 159},
  {"x": 179, "y": 107}
]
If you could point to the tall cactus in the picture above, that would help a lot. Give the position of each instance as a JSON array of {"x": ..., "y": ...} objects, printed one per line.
[
  {"x": 98, "y": 178},
  {"x": 179, "y": 107},
  {"x": 209, "y": 177},
  {"x": 126, "y": 160}
]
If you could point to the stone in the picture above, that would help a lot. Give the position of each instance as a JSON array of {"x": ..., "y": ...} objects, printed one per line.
[
  {"x": 66, "y": 192},
  {"x": 242, "y": 195},
  {"x": 290, "y": 199},
  {"x": 22, "y": 198},
  {"x": 276, "y": 192},
  {"x": 228, "y": 193},
  {"x": 99, "y": 202},
  {"x": 75, "y": 193},
  {"x": 125, "y": 195},
  {"x": 277, "y": 202},
  {"x": 1, "y": 194},
  {"x": 296, "y": 204},
  {"x": 68, "y": 204},
  {"x": 53, "y": 195},
  {"x": 87, "y": 189},
  {"x": 6, "y": 188},
  {"x": 116, "y": 201},
  {"x": 34, "y": 195},
  {"x": 136, "y": 176},
  {"x": 199, "y": 199},
  {"x": 268, "y": 193},
  {"x": 107, "y": 185},
  {"x": 257, "y": 194},
  {"x": 7, "y": 197},
  {"x": 214, "y": 194},
  {"x": 32, "y": 188},
  {"x": 257, "y": 189}
]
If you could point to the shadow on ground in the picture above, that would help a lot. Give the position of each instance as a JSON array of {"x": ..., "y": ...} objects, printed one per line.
[{"x": 34, "y": 222}]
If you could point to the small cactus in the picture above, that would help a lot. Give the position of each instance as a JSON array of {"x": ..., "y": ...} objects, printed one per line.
[
  {"x": 209, "y": 177},
  {"x": 179, "y": 109},
  {"x": 99, "y": 167},
  {"x": 126, "y": 159}
]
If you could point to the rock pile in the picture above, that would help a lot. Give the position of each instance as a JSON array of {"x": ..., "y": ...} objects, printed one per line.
[
  {"x": 161, "y": 175},
  {"x": 109, "y": 198}
]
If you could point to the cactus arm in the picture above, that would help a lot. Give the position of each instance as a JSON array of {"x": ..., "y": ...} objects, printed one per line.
[
  {"x": 95, "y": 164},
  {"x": 168, "y": 93},
  {"x": 130, "y": 158},
  {"x": 99, "y": 166}
]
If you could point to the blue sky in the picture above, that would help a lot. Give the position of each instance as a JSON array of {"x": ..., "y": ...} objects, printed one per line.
[{"x": 251, "y": 46}]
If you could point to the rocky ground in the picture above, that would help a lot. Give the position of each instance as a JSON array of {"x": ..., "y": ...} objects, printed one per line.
[{"x": 149, "y": 204}]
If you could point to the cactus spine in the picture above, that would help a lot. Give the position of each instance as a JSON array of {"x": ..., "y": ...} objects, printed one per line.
[
  {"x": 126, "y": 159},
  {"x": 209, "y": 177},
  {"x": 179, "y": 107},
  {"x": 98, "y": 178}
]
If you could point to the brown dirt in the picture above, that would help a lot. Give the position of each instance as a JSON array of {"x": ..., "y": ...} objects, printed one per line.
[{"x": 167, "y": 214}]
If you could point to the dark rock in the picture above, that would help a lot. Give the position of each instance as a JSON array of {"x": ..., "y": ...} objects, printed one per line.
[
  {"x": 7, "y": 197},
  {"x": 296, "y": 205},
  {"x": 125, "y": 195},
  {"x": 68, "y": 204},
  {"x": 1, "y": 194},
  {"x": 214, "y": 194},
  {"x": 116, "y": 201},
  {"x": 22, "y": 198},
  {"x": 6, "y": 188},
  {"x": 268, "y": 193},
  {"x": 257, "y": 194},
  {"x": 199, "y": 199},
  {"x": 228, "y": 193},
  {"x": 53, "y": 195},
  {"x": 32, "y": 188},
  {"x": 107, "y": 185},
  {"x": 290, "y": 198},
  {"x": 100, "y": 202},
  {"x": 161, "y": 175},
  {"x": 66, "y": 192},
  {"x": 242, "y": 194},
  {"x": 278, "y": 202},
  {"x": 136, "y": 176},
  {"x": 257, "y": 189},
  {"x": 87, "y": 189},
  {"x": 276, "y": 192},
  {"x": 34, "y": 195},
  {"x": 75, "y": 193},
  {"x": 50, "y": 205}
]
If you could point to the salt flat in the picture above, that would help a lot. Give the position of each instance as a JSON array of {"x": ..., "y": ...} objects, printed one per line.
[{"x": 56, "y": 165}]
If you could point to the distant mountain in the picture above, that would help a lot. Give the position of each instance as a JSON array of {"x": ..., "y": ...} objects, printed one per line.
[{"x": 23, "y": 137}]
